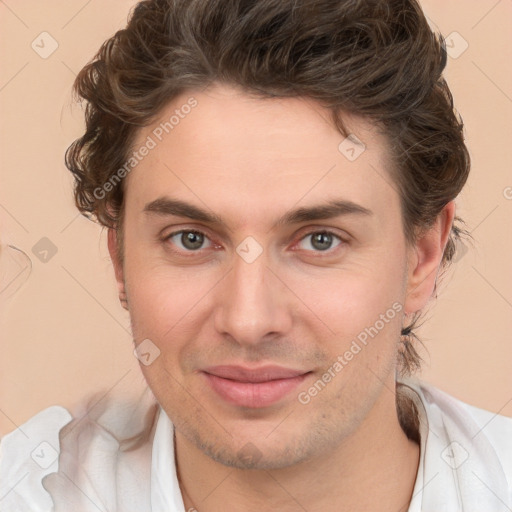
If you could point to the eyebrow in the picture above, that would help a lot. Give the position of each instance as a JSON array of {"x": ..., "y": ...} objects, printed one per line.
[{"x": 165, "y": 206}]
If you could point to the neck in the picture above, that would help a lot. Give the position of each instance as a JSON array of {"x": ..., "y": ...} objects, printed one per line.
[{"x": 374, "y": 468}]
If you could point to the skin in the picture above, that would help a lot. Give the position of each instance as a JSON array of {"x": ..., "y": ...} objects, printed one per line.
[{"x": 250, "y": 161}]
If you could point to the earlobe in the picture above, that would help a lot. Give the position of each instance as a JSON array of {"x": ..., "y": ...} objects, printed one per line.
[
  {"x": 113, "y": 249},
  {"x": 425, "y": 259}
]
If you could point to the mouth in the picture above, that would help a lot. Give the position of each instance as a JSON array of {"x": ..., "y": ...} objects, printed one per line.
[{"x": 254, "y": 388}]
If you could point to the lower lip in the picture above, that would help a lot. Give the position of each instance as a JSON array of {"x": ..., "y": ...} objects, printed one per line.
[{"x": 249, "y": 394}]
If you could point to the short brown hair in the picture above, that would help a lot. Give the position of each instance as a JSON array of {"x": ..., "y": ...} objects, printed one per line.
[{"x": 372, "y": 58}]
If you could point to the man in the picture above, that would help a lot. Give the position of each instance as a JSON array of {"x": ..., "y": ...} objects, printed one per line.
[{"x": 278, "y": 181}]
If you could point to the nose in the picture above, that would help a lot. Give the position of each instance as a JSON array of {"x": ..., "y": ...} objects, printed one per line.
[{"x": 252, "y": 303}]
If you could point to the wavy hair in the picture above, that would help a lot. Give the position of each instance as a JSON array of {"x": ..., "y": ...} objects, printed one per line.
[{"x": 375, "y": 59}]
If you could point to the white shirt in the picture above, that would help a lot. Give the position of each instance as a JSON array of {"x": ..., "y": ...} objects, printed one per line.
[{"x": 52, "y": 463}]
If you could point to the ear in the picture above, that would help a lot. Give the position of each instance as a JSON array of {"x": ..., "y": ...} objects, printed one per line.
[
  {"x": 425, "y": 259},
  {"x": 118, "y": 267}
]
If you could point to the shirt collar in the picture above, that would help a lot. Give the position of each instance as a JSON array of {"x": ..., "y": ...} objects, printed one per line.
[{"x": 165, "y": 489}]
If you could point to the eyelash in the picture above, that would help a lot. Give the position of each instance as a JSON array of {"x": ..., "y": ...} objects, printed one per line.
[{"x": 328, "y": 252}]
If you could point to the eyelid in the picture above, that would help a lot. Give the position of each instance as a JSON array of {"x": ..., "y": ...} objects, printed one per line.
[{"x": 187, "y": 229}]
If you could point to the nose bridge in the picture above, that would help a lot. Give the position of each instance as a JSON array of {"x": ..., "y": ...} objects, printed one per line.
[{"x": 251, "y": 304}]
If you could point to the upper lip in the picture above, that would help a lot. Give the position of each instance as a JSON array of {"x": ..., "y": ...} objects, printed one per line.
[{"x": 261, "y": 374}]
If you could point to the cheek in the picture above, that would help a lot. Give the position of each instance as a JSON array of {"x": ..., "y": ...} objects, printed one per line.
[
  {"x": 160, "y": 306},
  {"x": 158, "y": 301},
  {"x": 347, "y": 300}
]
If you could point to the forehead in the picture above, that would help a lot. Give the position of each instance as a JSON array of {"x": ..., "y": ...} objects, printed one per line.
[{"x": 242, "y": 152}]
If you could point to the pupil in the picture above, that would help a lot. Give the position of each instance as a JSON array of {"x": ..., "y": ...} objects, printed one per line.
[
  {"x": 192, "y": 240},
  {"x": 322, "y": 238}
]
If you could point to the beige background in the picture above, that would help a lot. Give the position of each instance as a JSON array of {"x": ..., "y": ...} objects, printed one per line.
[{"x": 63, "y": 333}]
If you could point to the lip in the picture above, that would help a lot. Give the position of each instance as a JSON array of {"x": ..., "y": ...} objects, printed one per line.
[{"x": 253, "y": 387}]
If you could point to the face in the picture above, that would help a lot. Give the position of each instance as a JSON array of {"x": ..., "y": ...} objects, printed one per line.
[{"x": 267, "y": 271}]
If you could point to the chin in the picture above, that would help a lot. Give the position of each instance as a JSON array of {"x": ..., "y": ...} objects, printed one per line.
[{"x": 251, "y": 457}]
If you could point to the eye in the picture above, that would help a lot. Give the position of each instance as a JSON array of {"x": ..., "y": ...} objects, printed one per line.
[
  {"x": 188, "y": 240},
  {"x": 191, "y": 241},
  {"x": 320, "y": 241}
]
